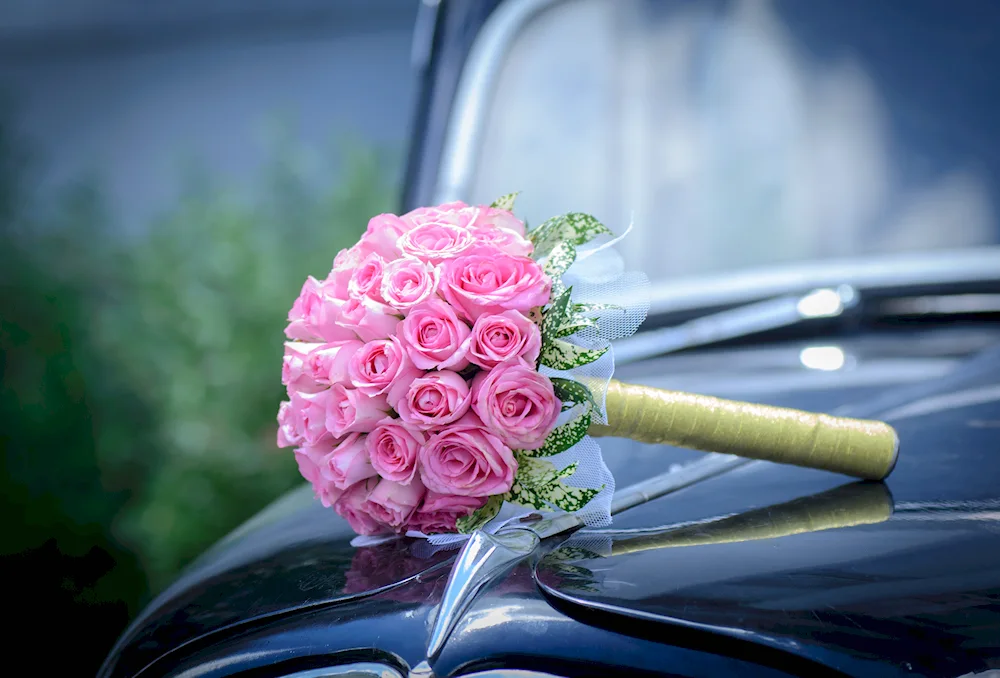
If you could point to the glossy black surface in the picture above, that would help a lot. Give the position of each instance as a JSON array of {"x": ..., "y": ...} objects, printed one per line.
[{"x": 918, "y": 594}]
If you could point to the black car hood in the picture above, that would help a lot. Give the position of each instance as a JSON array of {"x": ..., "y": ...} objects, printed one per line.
[{"x": 917, "y": 591}]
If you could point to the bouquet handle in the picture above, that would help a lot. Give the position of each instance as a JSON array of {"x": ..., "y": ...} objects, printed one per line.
[{"x": 855, "y": 447}]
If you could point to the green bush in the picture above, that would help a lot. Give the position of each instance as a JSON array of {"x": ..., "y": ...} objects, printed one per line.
[
  {"x": 198, "y": 330},
  {"x": 140, "y": 377}
]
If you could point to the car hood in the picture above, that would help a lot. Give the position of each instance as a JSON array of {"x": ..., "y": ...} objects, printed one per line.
[{"x": 904, "y": 576}]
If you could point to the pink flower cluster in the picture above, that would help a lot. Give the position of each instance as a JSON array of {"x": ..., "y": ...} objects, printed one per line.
[{"x": 411, "y": 369}]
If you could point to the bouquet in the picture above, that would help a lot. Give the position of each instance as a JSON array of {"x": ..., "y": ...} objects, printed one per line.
[
  {"x": 416, "y": 403},
  {"x": 454, "y": 364}
]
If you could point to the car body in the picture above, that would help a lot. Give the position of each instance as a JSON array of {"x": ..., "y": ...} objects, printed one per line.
[{"x": 759, "y": 570}]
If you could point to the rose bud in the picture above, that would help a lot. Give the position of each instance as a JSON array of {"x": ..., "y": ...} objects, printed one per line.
[
  {"x": 348, "y": 410},
  {"x": 382, "y": 367},
  {"x": 479, "y": 283},
  {"x": 394, "y": 449},
  {"x": 517, "y": 404},
  {"x": 391, "y": 503},
  {"x": 466, "y": 459},
  {"x": 435, "y": 337},
  {"x": 407, "y": 282},
  {"x": 354, "y": 508},
  {"x": 498, "y": 338},
  {"x": 435, "y": 399}
]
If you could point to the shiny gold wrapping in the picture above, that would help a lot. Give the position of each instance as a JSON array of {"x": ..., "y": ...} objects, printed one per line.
[
  {"x": 854, "y": 447},
  {"x": 845, "y": 506}
]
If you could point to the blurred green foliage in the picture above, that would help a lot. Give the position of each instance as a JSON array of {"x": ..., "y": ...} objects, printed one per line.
[{"x": 139, "y": 374}]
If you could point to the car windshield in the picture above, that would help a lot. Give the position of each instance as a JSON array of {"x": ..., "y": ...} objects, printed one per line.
[{"x": 747, "y": 133}]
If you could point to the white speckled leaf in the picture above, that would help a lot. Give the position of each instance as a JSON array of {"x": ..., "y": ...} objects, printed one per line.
[
  {"x": 539, "y": 485},
  {"x": 562, "y": 355},
  {"x": 506, "y": 202},
  {"x": 564, "y": 437},
  {"x": 571, "y": 392},
  {"x": 480, "y": 516},
  {"x": 575, "y": 227}
]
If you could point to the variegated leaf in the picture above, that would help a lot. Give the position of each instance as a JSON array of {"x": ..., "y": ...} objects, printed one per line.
[
  {"x": 562, "y": 355},
  {"x": 558, "y": 287},
  {"x": 536, "y": 315},
  {"x": 571, "y": 392},
  {"x": 567, "y": 497},
  {"x": 480, "y": 516},
  {"x": 573, "y": 325},
  {"x": 560, "y": 259},
  {"x": 505, "y": 202},
  {"x": 538, "y": 484},
  {"x": 556, "y": 315},
  {"x": 564, "y": 437},
  {"x": 575, "y": 227}
]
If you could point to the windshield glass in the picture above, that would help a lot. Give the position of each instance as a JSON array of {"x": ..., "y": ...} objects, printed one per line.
[{"x": 741, "y": 134}]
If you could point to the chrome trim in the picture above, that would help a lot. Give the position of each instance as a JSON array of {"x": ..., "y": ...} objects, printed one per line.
[
  {"x": 739, "y": 322},
  {"x": 355, "y": 670},
  {"x": 883, "y": 271},
  {"x": 473, "y": 94},
  {"x": 483, "y": 558},
  {"x": 665, "y": 483}
]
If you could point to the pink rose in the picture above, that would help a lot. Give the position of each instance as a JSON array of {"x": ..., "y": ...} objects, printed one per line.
[
  {"x": 504, "y": 336},
  {"x": 435, "y": 243},
  {"x": 288, "y": 426},
  {"x": 491, "y": 217},
  {"x": 435, "y": 399},
  {"x": 517, "y": 404},
  {"x": 314, "y": 315},
  {"x": 435, "y": 337},
  {"x": 295, "y": 374},
  {"x": 408, "y": 281},
  {"x": 353, "y": 507},
  {"x": 310, "y": 415},
  {"x": 391, "y": 503},
  {"x": 382, "y": 233},
  {"x": 344, "y": 265},
  {"x": 327, "y": 364},
  {"x": 468, "y": 460},
  {"x": 311, "y": 460},
  {"x": 503, "y": 240},
  {"x": 478, "y": 284},
  {"x": 366, "y": 281},
  {"x": 393, "y": 449},
  {"x": 455, "y": 213},
  {"x": 347, "y": 462},
  {"x": 440, "y": 512},
  {"x": 381, "y": 367},
  {"x": 351, "y": 411},
  {"x": 368, "y": 319}
]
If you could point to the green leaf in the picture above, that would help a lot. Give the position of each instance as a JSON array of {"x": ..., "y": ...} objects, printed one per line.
[
  {"x": 480, "y": 516},
  {"x": 575, "y": 227},
  {"x": 562, "y": 355},
  {"x": 539, "y": 485},
  {"x": 573, "y": 392},
  {"x": 556, "y": 315},
  {"x": 560, "y": 259},
  {"x": 572, "y": 326},
  {"x": 506, "y": 202},
  {"x": 563, "y": 437},
  {"x": 533, "y": 476}
]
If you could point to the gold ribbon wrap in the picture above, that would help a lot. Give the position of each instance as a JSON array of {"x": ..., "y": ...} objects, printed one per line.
[
  {"x": 854, "y": 447},
  {"x": 845, "y": 506}
]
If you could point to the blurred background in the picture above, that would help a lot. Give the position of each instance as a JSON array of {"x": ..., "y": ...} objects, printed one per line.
[{"x": 169, "y": 173}]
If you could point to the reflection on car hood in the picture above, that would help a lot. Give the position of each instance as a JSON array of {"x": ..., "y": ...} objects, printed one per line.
[{"x": 844, "y": 597}]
